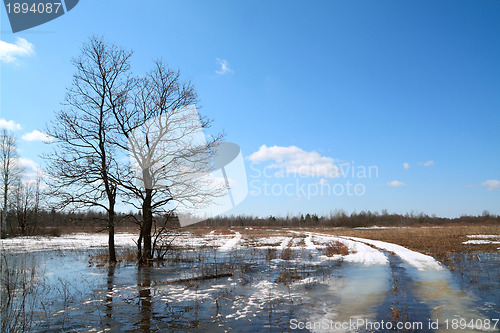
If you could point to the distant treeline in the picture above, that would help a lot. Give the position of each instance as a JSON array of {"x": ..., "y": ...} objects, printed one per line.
[
  {"x": 51, "y": 222},
  {"x": 342, "y": 219},
  {"x": 31, "y": 222}
]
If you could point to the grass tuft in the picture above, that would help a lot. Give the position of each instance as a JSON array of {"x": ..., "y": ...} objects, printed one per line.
[{"x": 336, "y": 248}]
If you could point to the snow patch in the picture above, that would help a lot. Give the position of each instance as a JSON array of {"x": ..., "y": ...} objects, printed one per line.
[
  {"x": 284, "y": 244},
  {"x": 483, "y": 236},
  {"x": 358, "y": 252},
  {"x": 66, "y": 242},
  {"x": 309, "y": 244},
  {"x": 230, "y": 244},
  {"x": 364, "y": 254},
  {"x": 418, "y": 260},
  {"x": 480, "y": 241}
]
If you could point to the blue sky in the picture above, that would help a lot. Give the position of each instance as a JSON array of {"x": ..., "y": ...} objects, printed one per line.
[{"x": 308, "y": 88}]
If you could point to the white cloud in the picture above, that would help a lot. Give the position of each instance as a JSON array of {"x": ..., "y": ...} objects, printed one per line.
[
  {"x": 11, "y": 52},
  {"x": 224, "y": 67},
  {"x": 27, "y": 163},
  {"x": 406, "y": 165},
  {"x": 293, "y": 160},
  {"x": 36, "y": 135},
  {"x": 9, "y": 125},
  {"x": 491, "y": 184},
  {"x": 427, "y": 163},
  {"x": 395, "y": 183},
  {"x": 29, "y": 167}
]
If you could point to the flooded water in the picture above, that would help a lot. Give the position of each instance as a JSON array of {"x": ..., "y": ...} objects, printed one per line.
[{"x": 253, "y": 285}]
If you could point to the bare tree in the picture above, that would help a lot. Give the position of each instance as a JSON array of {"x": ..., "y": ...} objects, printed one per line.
[
  {"x": 25, "y": 203},
  {"x": 21, "y": 205},
  {"x": 84, "y": 165},
  {"x": 168, "y": 149},
  {"x": 11, "y": 172},
  {"x": 37, "y": 197}
]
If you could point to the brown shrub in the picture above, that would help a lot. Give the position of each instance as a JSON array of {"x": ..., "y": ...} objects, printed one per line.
[
  {"x": 287, "y": 277},
  {"x": 336, "y": 247}
]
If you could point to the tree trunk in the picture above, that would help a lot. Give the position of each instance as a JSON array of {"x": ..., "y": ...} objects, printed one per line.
[
  {"x": 147, "y": 224},
  {"x": 4, "y": 210},
  {"x": 139, "y": 245},
  {"x": 111, "y": 233},
  {"x": 111, "y": 237}
]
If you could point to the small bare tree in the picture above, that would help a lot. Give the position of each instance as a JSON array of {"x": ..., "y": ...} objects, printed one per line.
[
  {"x": 37, "y": 198},
  {"x": 25, "y": 203},
  {"x": 21, "y": 204},
  {"x": 84, "y": 165},
  {"x": 11, "y": 173}
]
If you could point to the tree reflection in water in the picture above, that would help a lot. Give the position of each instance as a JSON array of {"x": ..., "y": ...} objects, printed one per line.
[{"x": 144, "y": 287}]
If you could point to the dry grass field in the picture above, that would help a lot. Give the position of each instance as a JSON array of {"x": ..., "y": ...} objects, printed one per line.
[
  {"x": 432, "y": 240},
  {"x": 429, "y": 239}
]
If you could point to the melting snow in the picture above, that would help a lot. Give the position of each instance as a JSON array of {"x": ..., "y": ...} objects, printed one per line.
[
  {"x": 480, "y": 241},
  {"x": 483, "y": 236},
  {"x": 65, "y": 242},
  {"x": 285, "y": 243},
  {"x": 418, "y": 260},
  {"x": 309, "y": 243},
  {"x": 231, "y": 243},
  {"x": 358, "y": 252}
]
